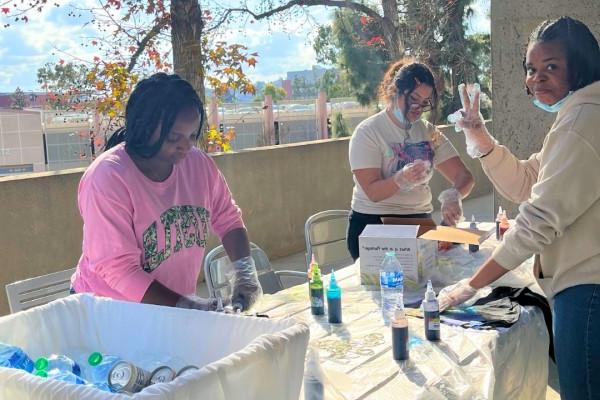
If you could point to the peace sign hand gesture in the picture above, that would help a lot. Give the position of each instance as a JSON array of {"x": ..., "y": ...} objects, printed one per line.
[
  {"x": 471, "y": 117},
  {"x": 479, "y": 141}
]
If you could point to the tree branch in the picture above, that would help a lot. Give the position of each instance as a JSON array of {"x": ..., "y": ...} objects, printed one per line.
[
  {"x": 300, "y": 3},
  {"x": 142, "y": 44}
]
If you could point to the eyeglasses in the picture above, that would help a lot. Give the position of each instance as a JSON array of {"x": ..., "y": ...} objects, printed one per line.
[{"x": 414, "y": 104}]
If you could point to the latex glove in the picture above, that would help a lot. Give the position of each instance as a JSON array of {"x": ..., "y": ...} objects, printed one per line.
[
  {"x": 246, "y": 289},
  {"x": 479, "y": 141},
  {"x": 451, "y": 206},
  {"x": 456, "y": 294},
  {"x": 413, "y": 174},
  {"x": 197, "y": 303}
]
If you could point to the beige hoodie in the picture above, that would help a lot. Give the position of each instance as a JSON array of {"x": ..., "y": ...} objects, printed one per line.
[{"x": 559, "y": 192}]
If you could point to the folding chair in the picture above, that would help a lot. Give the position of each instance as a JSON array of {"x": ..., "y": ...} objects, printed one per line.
[
  {"x": 217, "y": 266},
  {"x": 325, "y": 236},
  {"x": 40, "y": 290}
]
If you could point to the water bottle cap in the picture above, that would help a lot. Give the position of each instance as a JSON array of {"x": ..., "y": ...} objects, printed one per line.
[
  {"x": 41, "y": 364},
  {"x": 95, "y": 358},
  {"x": 41, "y": 373}
]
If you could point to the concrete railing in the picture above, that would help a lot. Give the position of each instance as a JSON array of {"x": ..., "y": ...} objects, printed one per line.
[{"x": 277, "y": 187}]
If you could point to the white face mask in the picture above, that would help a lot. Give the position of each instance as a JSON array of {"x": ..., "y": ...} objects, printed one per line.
[
  {"x": 400, "y": 115},
  {"x": 553, "y": 108}
]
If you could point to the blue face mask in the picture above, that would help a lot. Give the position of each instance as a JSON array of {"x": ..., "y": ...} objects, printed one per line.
[
  {"x": 400, "y": 116},
  {"x": 554, "y": 108}
]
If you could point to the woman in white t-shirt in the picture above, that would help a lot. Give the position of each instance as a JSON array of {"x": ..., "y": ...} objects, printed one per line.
[{"x": 393, "y": 153}]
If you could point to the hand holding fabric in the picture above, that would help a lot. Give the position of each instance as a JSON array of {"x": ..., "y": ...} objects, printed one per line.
[
  {"x": 456, "y": 294},
  {"x": 196, "y": 303},
  {"x": 479, "y": 141},
  {"x": 246, "y": 289},
  {"x": 413, "y": 174},
  {"x": 451, "y": 206}
]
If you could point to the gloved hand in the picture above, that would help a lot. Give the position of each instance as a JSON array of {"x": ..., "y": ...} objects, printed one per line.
[
  {"x": 246, "y": 289},
  {"x": 197, "y": 303},
  {"x": 456, "y": 294},
  {"x": 479, "y": 141},
  {"x": 413, "y": 174},
  {"x": 451, "y": 206}
]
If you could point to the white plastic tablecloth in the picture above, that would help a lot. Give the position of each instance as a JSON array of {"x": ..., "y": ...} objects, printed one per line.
[{"x": 355, "y": 358}]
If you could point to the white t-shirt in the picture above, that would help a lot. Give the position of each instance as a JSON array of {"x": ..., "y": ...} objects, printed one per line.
[{"x": 378, "y": 143}]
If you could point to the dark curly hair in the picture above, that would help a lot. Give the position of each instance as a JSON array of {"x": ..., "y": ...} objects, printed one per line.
[{"x": 402, "y": 77}]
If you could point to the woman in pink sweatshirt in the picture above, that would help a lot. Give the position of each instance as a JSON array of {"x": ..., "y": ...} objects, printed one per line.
[
  {"x": 559, "y": 192},
  {"x": 149, "y": 201}
]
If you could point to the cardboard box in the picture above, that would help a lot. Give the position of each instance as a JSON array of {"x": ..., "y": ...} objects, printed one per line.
[
  {"x": 415, "y": 241},
  {"x": 415, "y": 254}
]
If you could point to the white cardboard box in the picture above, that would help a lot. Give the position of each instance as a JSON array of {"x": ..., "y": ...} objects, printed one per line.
[{"x": 416, "y": 255}]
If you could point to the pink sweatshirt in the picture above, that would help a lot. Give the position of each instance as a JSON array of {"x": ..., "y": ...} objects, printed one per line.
[{"x": 136, "y": 230}]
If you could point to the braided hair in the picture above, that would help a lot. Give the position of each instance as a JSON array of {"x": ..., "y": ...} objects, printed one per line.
[
  {"x": 156, "y": 100},
  {"x": 580, "y": 46}
]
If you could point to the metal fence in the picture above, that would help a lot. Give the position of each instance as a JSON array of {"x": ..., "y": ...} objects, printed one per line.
[{"x": 295, "y": 120}]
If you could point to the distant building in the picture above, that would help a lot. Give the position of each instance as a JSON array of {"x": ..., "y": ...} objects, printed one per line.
[
  {"x": 286, "y": 84},
  {"x": 32, "y": 99},
  {"x": 310, "y": 76}
]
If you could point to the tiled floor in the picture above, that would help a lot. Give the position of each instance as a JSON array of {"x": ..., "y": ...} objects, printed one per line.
[{"x": 481, "y": 208}]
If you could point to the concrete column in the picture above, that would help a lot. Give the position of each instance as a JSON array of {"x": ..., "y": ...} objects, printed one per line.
[
  {"x": 268, "y": 121},
  {"x": 321, "y": 113},
  {"x": 213, "y": 113},
  {"x": 517, "y": 124}
]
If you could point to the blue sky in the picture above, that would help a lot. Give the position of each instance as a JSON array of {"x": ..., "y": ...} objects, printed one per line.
[{"x": 51, "y": 35}]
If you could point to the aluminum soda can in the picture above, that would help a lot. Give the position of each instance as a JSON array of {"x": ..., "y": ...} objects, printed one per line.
[
  {"x": 187, "y": 369},
  {"x": 162, "y": 374},
  {"x": 126, "y": 377}
]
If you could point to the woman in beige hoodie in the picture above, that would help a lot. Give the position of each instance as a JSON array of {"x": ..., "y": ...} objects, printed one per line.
[{"x": 559, "y": 192}]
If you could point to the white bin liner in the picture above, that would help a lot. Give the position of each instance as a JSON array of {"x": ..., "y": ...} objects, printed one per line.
[{"x": 239, "y": 357}]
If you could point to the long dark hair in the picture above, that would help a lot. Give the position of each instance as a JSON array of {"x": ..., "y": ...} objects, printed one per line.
[
  {"x": 155, "y": 101},
  {"x": 580, "y": 46},
  {"x": 402, "y": 77}
]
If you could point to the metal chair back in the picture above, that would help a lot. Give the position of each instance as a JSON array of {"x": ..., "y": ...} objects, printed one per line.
[
  {"x": 325, "y": 237},
  {"x": 33, "y": 292}
]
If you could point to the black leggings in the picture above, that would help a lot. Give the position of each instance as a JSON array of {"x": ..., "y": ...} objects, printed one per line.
[{"x": 358, "y": 221}]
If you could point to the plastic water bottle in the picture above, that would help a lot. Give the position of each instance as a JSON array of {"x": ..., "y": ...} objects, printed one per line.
[
  {"x": 14, "y": 357},
  {"x": 61, "y": 375},
  {"x": 391, "y": 280},
  {"x": 99, "y": 369},
  {"x": 57, "y": 361}
]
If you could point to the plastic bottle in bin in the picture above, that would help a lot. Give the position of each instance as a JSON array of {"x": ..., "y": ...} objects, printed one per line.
[
  {"x": 99, "y": 368},
  {"x": 391, "y": 280},
  {"x": 57, "y": 361},
  {"x": 14, "y": 357},
  {"x": 60, "y": 375}
]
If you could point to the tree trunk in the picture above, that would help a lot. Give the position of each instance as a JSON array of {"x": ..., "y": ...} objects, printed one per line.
[
  {"x": 461, "y": 70},
  {"x": 391, "y": 31},
  {"x": 186, "y": 34}
]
